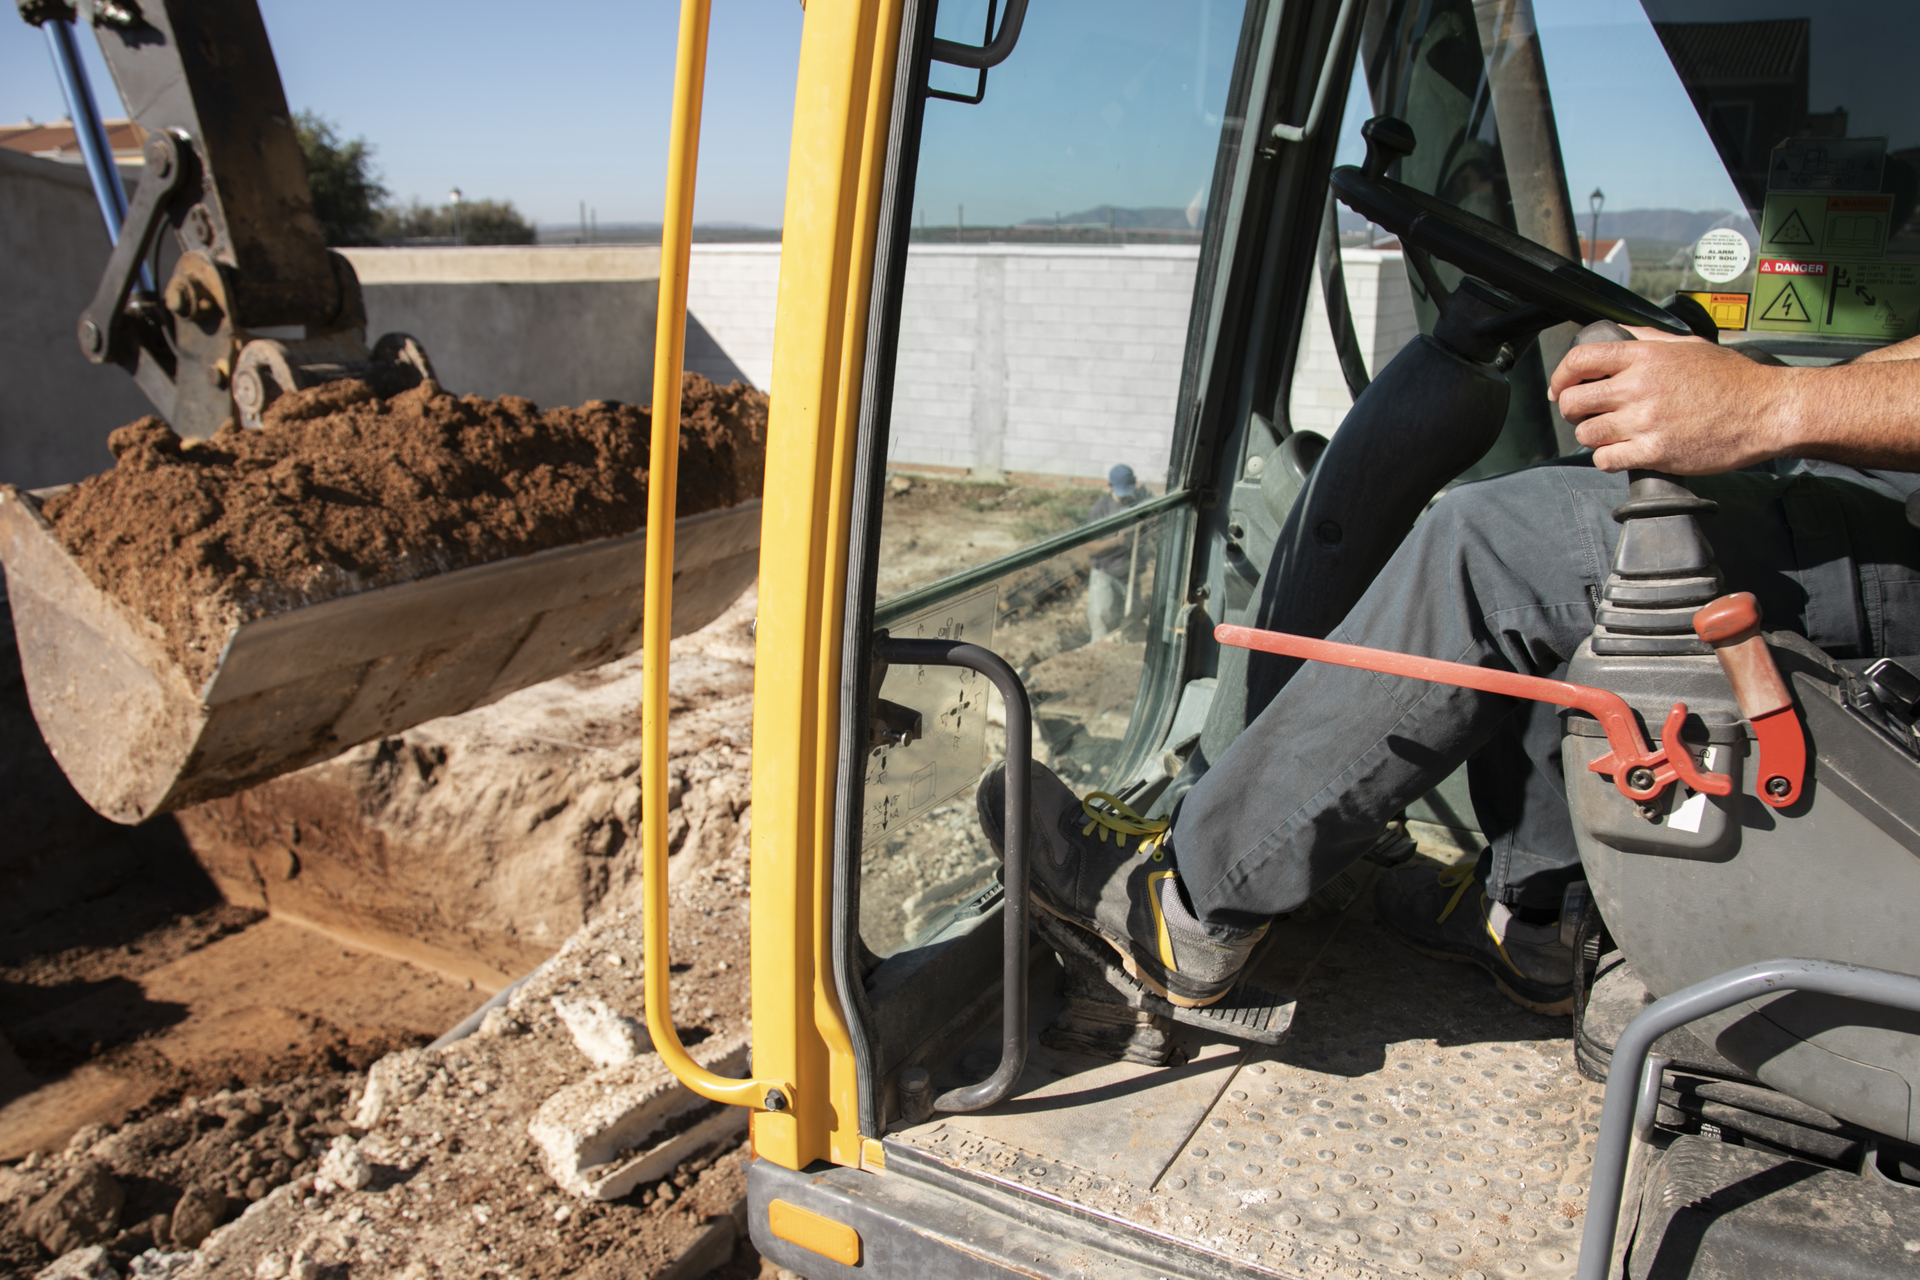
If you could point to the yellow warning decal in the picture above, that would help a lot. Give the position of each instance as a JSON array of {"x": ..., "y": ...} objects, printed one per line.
[
  {"x": 1728, "y": 310},
  {"x": 810, "y": 1230}
]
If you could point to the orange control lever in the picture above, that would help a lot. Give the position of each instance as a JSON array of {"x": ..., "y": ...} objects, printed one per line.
[
  {"x": 1640, "y": 774},
  {"x": 1731, "y": 625}
]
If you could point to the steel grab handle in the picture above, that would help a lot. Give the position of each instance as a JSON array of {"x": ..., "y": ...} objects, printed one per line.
[{"x": 1013, "y": 959}]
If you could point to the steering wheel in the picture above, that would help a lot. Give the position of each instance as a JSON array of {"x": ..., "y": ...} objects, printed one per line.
[{"x": 1558, "y": 286}]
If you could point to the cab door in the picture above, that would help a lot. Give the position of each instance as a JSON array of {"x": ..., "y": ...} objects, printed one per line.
[{"x": 1092, "y": 255}]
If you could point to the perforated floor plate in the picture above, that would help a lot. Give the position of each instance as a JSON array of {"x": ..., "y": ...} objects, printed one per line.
[{"x": 1413, "y": 1124}]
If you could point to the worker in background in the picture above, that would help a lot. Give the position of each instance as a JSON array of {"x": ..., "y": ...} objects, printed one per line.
[
  {"x": 1811, "y": 468},
  {"x": 1114, "y": 594}
]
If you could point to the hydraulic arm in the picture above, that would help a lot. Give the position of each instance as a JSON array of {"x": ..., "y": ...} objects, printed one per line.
[{"x": 224, "y": 214}]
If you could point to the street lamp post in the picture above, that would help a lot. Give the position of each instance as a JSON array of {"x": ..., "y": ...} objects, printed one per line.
[
  {"x": 1594, "y": 201},
  {"x": 454, "y": 196}
]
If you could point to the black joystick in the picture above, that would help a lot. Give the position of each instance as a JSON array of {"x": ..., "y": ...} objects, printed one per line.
[
  {"x": 1663, "y": 570},
  {"x": 1388, "y": 140}
]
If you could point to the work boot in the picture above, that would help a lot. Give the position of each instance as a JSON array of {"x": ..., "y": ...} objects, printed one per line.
[
  {"x": 1450, "y": 917},
  {"x": 1097, "y": 864}
]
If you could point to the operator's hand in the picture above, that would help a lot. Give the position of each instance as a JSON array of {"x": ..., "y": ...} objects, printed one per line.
[{"x": 1680, "y": 405}]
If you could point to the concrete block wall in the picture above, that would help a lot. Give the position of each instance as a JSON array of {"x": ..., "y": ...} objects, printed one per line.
[
  {"x": 57, "y": 408},
  {"x": 1046, "y": 359},
  {"x": 732, "y": 293},
  {"x": 557, "y": 324},
  {"x": 1036, "y": 358},
  {"x": 1383, "y": 322}
]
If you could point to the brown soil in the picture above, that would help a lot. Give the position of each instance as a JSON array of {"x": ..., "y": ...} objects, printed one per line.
[
  {"x": 344, "y": 491},
  {"x": 458, "y": 1187},
  {"x": 123, "y": 1016},
  {"x": 212, "y": 1000}
]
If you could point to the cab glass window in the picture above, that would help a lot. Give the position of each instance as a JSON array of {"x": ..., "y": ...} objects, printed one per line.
[
  {"x": 1760, "y": 159},
  {"x": 1049, "y": 280}
]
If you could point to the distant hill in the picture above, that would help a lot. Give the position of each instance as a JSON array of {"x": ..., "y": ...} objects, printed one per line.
[
  {"x": 1679, "y": 226},
  {"x": 1158, "y": 219},
  {"x": 649, "y": 233}
]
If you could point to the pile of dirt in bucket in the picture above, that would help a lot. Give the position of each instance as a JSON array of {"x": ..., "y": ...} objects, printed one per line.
[{"x": 343, "y": 491}]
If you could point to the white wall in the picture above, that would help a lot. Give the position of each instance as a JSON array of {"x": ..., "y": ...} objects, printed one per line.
[
  {"x": 1035, "y": 358},
  {"x": 732, "y": 290},
  {"x": 1060, "y": 360},
  {"x": 55, "y": 408}
]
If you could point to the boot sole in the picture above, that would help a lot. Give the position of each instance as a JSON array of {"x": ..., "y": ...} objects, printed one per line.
[
  {"x": 1562, "y": 1008},
  {"x": 1132, "y": 966}
]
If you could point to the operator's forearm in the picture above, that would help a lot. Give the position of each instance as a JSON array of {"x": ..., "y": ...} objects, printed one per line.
[{"x": 1863, "y": 414}]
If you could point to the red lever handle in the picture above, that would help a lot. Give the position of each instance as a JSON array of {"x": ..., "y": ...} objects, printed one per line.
[
  {"x": 1731, "y": 625},
  {"x": 1640, "y": 774}
]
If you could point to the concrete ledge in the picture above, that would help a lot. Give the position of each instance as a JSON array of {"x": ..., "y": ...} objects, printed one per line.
[
  {"x": 506, "y": 264},
  {"x": 634, "y": 1123}
]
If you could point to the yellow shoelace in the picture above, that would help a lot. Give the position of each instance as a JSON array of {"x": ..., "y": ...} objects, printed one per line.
[
  {"x": 1459, "y": 879},
  {"x": 1122, "y": 821}
]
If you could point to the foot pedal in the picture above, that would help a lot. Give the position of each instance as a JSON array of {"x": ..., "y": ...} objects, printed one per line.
[
  {"x": 1394, "y": 848},
  {"x": 1335, "y": 896},
  {"x": 1247, "y": 1012}
]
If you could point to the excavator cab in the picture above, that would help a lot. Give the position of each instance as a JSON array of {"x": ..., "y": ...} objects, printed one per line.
[{"x": 1301, "y": 267}]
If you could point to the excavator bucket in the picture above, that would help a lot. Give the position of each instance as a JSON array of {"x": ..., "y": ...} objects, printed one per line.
[{"x": 137, "y": 738}]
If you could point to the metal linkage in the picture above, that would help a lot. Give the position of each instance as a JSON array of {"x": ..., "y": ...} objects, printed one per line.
[
  {"x": 1013, "y": 968},
  {"x": 1633, "y": 1081}
]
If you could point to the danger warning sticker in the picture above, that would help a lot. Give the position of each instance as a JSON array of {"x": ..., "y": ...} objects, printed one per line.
[
  {"x": 1852, "y": 299},
  {"x": 1789, "y": 295}
]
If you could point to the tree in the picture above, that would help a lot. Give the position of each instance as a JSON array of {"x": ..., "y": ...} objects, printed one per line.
[
  {"x": 347, "y": 197},
  {"x": 481, "y": 222}
]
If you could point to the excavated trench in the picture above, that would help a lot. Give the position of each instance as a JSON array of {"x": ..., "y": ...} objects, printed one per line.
[{"x": 190, "y": 1007}]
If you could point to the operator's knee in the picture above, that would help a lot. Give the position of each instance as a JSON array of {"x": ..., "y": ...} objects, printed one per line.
[{"x": 1524, "y": 515}]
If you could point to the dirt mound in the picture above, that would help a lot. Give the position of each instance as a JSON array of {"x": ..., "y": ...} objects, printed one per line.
[
  {"x": 427, "y": 1168},
  {"x": 344, "y": 491},
  {"x": 223, "y": 1153}
]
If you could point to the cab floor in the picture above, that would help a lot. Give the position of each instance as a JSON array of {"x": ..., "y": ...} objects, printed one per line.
[{"x": 1413, "y": 1123}]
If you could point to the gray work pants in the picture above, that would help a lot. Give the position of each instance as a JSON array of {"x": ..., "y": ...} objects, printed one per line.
[
  {"x": 1106, "y": 603},
  {"x": 1506, "y": 573}
]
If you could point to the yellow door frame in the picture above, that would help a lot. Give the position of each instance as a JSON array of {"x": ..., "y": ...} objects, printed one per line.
[
  {"x": 843, "y": 105},
  {"x": 804, "y": 1085}
]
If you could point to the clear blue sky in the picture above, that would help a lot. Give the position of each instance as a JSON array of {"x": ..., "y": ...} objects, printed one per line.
[
  {"x": 1107, "y": 101},
  {"x": 503, "y": 102},
  {"x": 1104, "y": 102},
  {"x": 1626, "y": 124}
]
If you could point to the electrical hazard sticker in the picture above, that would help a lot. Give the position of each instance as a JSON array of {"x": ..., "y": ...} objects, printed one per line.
[
  {"x": 1789, "y": 294},
  {"x": 1877, "y": 300}
]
